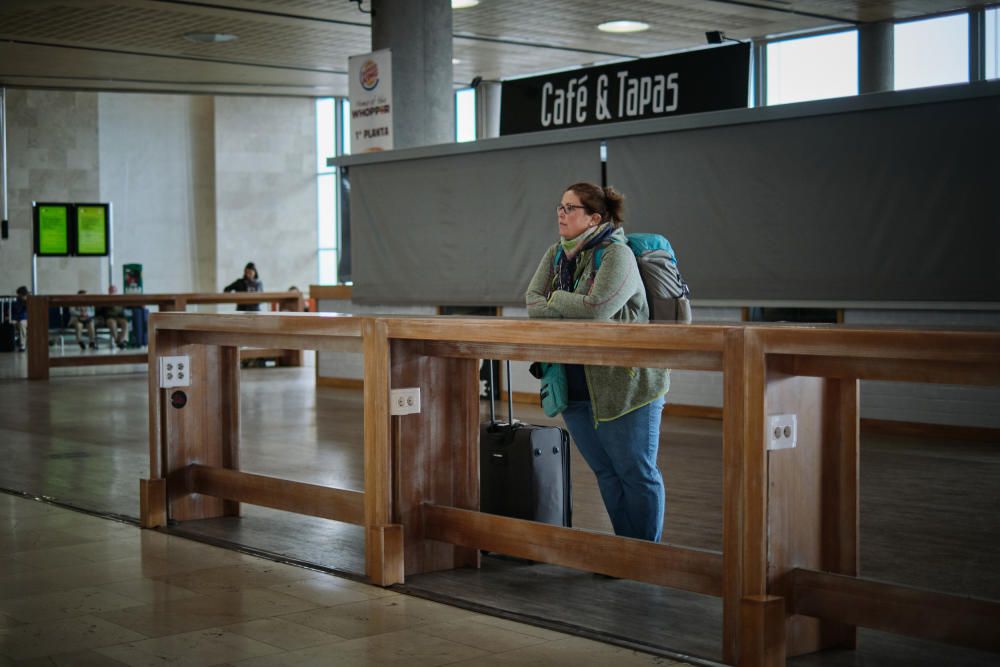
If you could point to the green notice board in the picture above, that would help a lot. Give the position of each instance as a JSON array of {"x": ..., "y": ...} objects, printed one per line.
[
  {"x": 53, "y": 230},
  {"x": 91, "y": 229}
]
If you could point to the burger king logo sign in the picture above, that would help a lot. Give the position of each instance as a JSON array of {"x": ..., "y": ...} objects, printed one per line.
[{"x": 369, "y": 75}]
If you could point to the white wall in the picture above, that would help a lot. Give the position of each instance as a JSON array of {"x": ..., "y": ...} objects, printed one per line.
[
  {"x": 199, "y": 185},
  {"x": 157, "y": 169},
  {"x": 52, "y": 155},
  {"x": 265, "y": 179}
]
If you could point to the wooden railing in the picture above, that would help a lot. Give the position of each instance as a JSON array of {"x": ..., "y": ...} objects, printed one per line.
[
  {"x": 788, "y": 566},
  {"x": 800, "y": 506},
  {"x": 40, "y": 361}
]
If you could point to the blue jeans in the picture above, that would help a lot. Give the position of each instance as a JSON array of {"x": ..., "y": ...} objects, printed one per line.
[{"x": 622, "y": 454}]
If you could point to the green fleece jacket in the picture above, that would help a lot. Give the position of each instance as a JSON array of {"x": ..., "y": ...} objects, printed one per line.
[{"x": 615, "y": 292}]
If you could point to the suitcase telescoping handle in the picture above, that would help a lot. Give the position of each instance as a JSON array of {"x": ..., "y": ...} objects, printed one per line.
[{"x": 510, "y": 396}]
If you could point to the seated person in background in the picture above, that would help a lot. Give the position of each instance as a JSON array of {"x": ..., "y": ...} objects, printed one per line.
[
  {"x": 250, "y": 282},
  {"x": 114, "y": 319},
  {"x": 19, "y": 315},
  {"x": 287, "y": 307},
  {"x": 83, "y": 316}
]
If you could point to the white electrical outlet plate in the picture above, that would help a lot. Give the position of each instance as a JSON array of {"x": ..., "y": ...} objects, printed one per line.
[
  {"x": 175, "y": 372},
  {"x": 782, "y": 431},
  {"x": 404, "y": 401}
]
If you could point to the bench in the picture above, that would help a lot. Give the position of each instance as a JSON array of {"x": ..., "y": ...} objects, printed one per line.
[{"x": 40, "y": 360}]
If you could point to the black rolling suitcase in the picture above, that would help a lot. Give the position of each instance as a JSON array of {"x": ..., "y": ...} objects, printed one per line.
[
  {"x": 524, "y": 469},
  {"x": 7, "y": 332}
]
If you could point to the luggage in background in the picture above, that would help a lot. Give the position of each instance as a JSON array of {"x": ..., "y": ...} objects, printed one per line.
[
  {"x": 524, "y": 469},
  {"x": 8, "y": 332}
]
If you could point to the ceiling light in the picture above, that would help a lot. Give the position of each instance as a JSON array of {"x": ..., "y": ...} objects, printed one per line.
[
  {"x": 623, "y": 26},
  {"x": 209, "y": 37},
  {"x": 455, "y": 61},
  {"x": 463, "y": 4}
]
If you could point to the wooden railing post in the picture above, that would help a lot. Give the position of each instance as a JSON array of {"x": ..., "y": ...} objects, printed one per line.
[
  {"x": 437, "y": 450},
  {"x": 762, "y": 622},
  {"x": 812, "y": 496},
  {"x": 38, "y": 337},
  {"x": 295, "y": 305},
  {"x": 383, "y": 539},
  {"x": 733, "y": 409},
  {"x": 201, "y": 428},
  {"x": 745, "y": 534}
]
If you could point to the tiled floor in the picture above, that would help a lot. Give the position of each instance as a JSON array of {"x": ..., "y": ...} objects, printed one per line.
[
  {"x": 116, "y": 595},
  {"x": 80, "y": 590}
]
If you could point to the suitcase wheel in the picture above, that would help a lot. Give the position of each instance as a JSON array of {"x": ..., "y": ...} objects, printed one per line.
[{"x": 538, "y": 452}]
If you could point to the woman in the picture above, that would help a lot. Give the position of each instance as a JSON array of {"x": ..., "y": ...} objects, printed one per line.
[
  {"x": 613, "y": 412},
  {"x": 250, "y": 282}
]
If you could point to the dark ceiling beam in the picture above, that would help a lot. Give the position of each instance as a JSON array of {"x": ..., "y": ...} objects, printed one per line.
[
  {"x": 263, "y": 12},
  {"x": 161, "y": 82},
  {"x": 217, "y": 61},
  {"x": 788, "y": 10}
]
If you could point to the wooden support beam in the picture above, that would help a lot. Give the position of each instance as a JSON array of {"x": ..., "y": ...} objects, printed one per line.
[
  {"x": 152, "y": 503},
  {"x": 692, "y": 570},
  {"x": 384, "y": 554},
  {"x": 762, "y": 631},
  {"x": 282, "y": 494},
  {"x": 734, "y": 500},
  {"x": 899, "y": 370},
  {"x": 952, "y": 619},
  {"x": 745, "y": 482},
  {"x": 38, "y": 338},
  {"x": 435, "y": 452},
  {"x": 381, "y": 548},
  {"x": 98, "y": 359},
  {"x": 812, "y": 496},
  {"x": 680, "y": 360}
]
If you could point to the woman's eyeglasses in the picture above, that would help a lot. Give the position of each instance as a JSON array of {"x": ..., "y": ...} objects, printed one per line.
[{"x": 566, "y": 209}]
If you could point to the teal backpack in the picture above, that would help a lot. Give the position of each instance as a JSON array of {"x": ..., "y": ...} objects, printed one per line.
[{"x": 667, "y": 294}]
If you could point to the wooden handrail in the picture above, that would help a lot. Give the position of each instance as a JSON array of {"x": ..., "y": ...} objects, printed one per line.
[
  {"x": 63, "y": 300},
  {"x": 40, "y": 361},
  {"x": 282, "y": 494},
  {"x": 695, "y": 570},
  {"x": 564, "y": 333},
  {"x": 960, "y": 346},
  {"x": 766, "y": 368},
  {"x": 952, "y": 619}
]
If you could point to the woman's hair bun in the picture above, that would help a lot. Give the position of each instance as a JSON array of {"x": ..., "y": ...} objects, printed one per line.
[{"x": 615, "y": 202}]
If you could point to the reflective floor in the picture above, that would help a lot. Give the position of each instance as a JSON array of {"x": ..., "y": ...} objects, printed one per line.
[
  {"x": 80, "y": 590},
  {"x": 928, "y": 519}
]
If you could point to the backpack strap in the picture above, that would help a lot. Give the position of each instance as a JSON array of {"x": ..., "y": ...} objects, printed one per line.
[{"x": 599, "y": 254}]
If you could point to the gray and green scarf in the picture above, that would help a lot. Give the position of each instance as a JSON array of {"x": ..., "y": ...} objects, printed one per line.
[{"x": 565, "y": 274}]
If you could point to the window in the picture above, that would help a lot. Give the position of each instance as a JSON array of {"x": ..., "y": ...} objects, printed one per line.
[
  {"x": 327, "y": 229},
  {"x": 931, "y": 52},
  {"x": 812, "y": 68},
  {"x": 992, "y": 43},
  {"x": 465, "y": 115},
  {"x": 345, "y": 126}
]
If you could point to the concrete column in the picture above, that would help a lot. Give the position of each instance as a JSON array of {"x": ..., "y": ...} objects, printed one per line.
[
  {"x": 875, "y": 58},
  {"x": 419, "y": 34}
]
